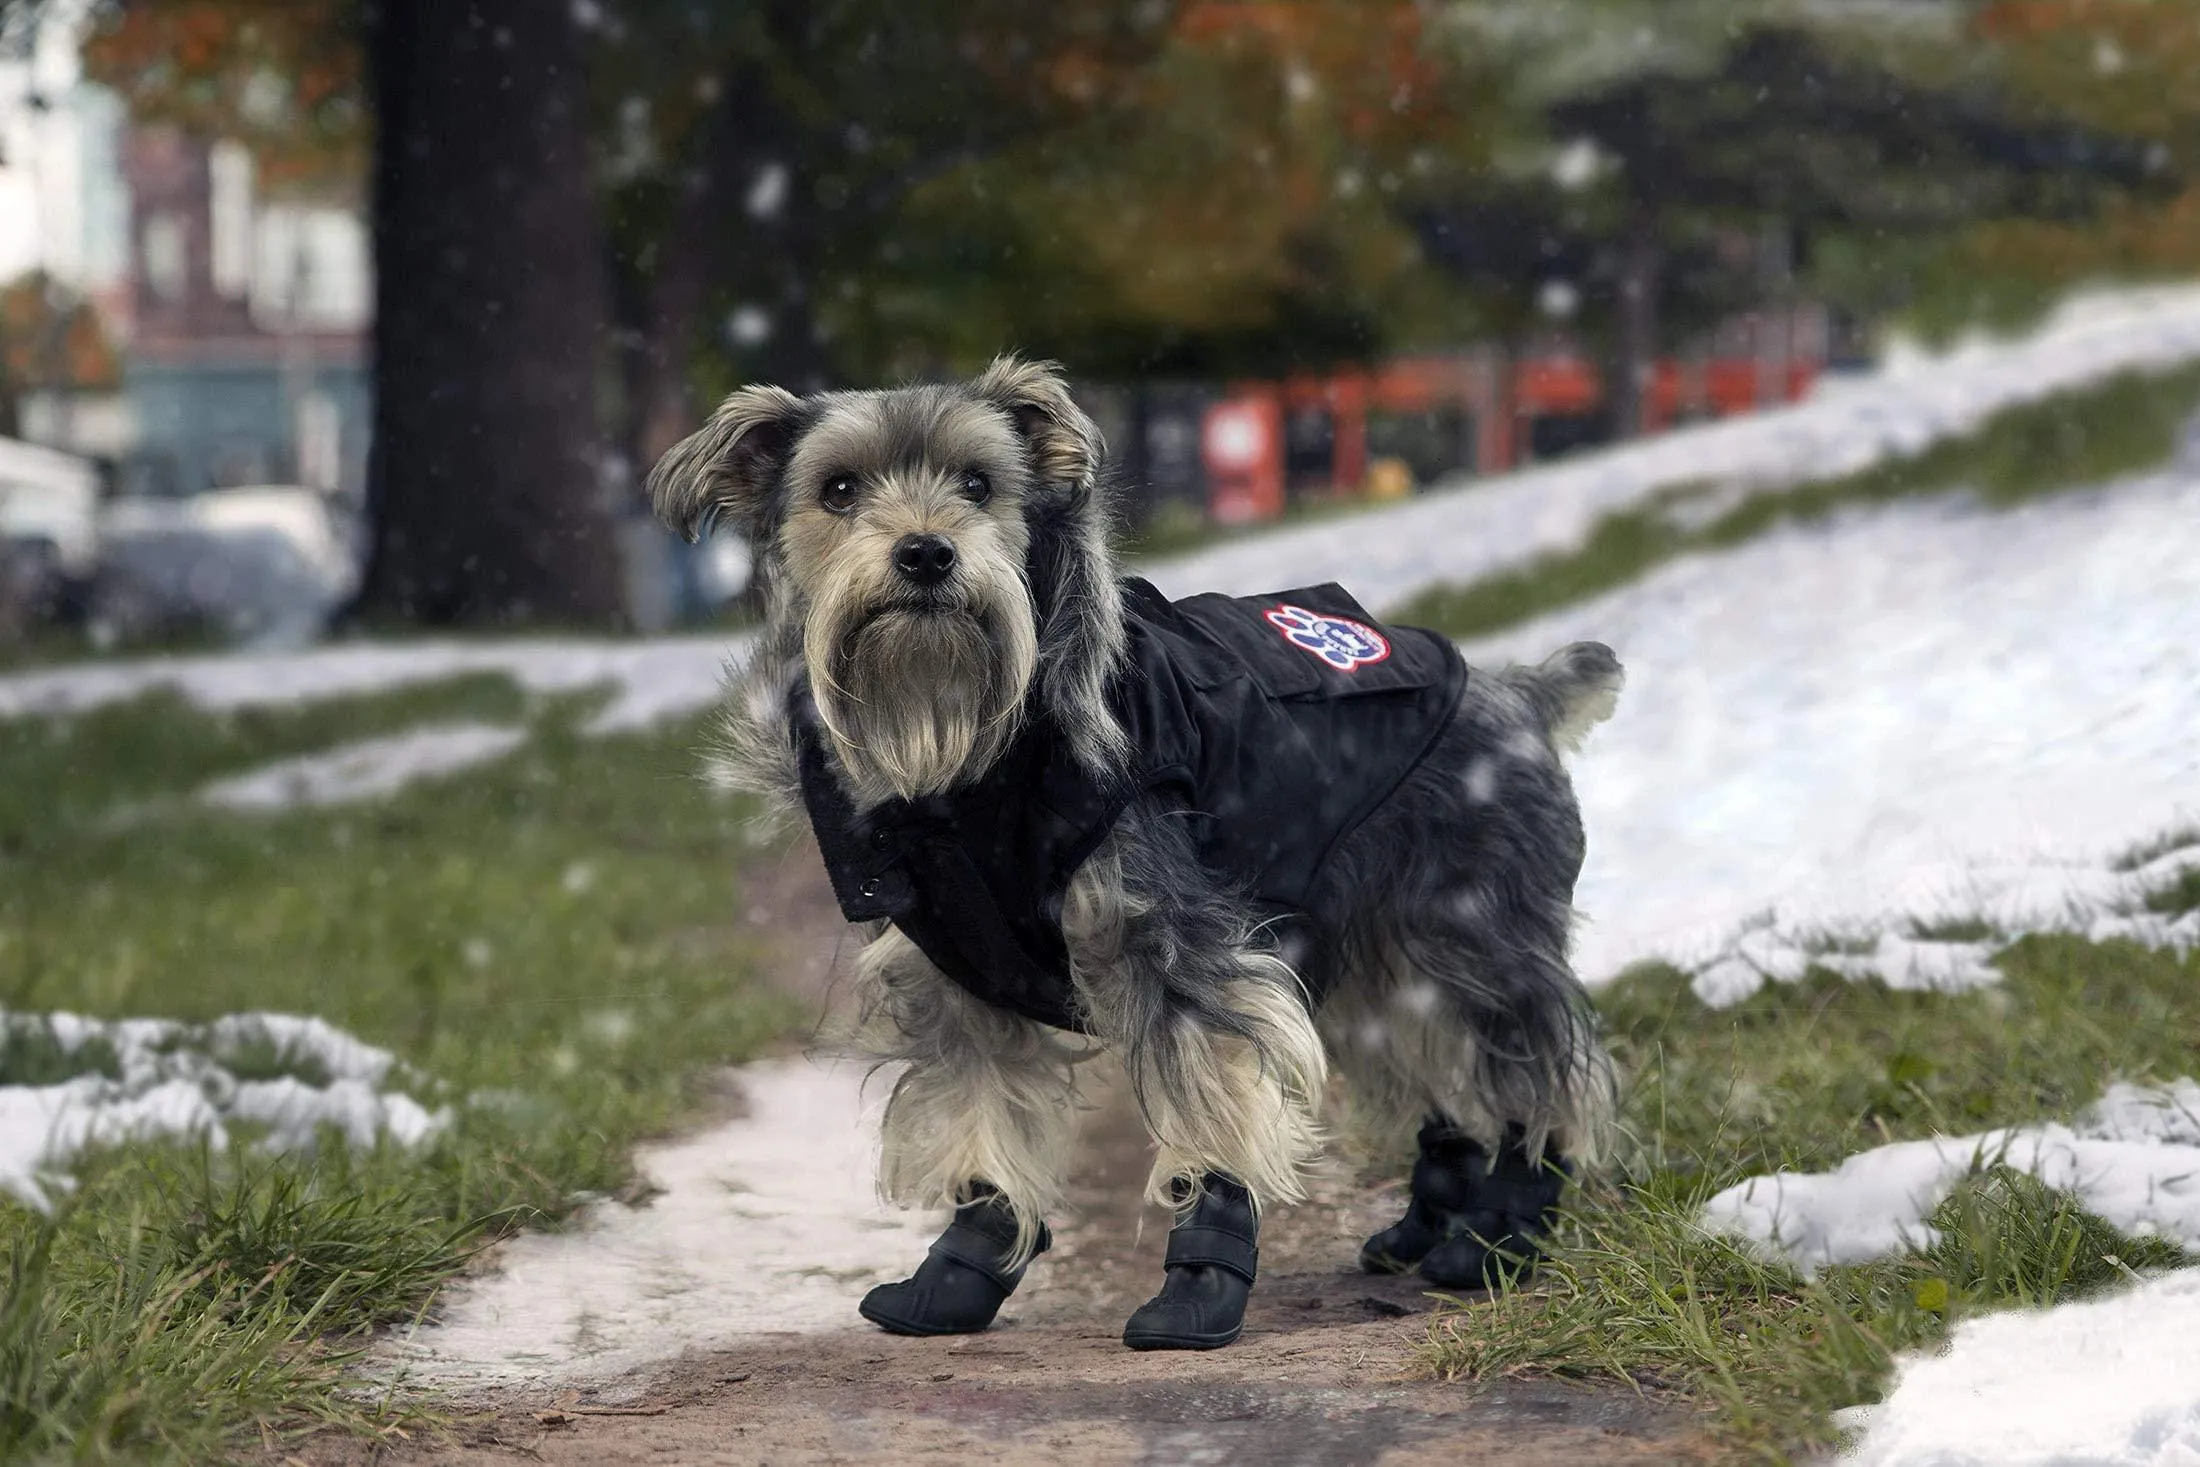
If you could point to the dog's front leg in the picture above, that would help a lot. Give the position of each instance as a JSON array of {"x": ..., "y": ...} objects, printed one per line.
[
  {"x": 979, "y": 1121},
  {"x": 1222, "y": 1056}
]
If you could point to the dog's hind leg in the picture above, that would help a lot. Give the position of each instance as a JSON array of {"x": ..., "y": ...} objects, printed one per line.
[
  {"x": 1456, "y": 1010},
  {"x": 1222, "y": 1057},
  {"x": 979, "y": 1120},
  {"x": 1478, "y": 1033}
]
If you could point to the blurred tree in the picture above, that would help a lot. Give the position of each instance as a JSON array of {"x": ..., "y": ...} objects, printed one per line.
[
  {"x": 485, "y": 492},
  {"x": 283, "y": 77},
  {"x": 1231, "y": 205},
  {"x": 50, "y": 340},
  {"x": 485, "y": 487},
  {"x": 1664, "y": 145},
  {"x": 2130, "y": 67},
  {"x": 804, "y": 192},
  {"x": 759, "y": 161}
]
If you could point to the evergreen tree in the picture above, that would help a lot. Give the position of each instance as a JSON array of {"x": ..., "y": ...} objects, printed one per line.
[{"x": 1661, "y": 143}]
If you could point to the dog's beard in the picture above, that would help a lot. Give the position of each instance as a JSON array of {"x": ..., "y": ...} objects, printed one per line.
[{"x": 920, "y": 699}]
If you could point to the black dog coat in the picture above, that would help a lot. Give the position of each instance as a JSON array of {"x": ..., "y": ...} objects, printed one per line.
[{"x": 1278, "y": 723}]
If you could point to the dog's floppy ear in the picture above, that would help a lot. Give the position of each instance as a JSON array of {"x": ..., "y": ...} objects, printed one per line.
[
  {"x": 1071, "y": 569},
  {"x": 1066, "y": 447},
  {"x": 726, "y": 469}
]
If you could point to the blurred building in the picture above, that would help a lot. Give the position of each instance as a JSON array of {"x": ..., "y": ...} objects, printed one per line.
[
  {"x": 250, "y": 319},
  {"x": 62, "y": 206},
  {"x": 243, "y": 321},
  {"x": 64, "y": 218}
]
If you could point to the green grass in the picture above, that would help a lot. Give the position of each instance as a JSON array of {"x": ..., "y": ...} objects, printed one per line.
[
  {"x": 1800, "y": 1077},
  {"x": 2181, "y": 894},
  {"x": 551, "y": 942},
  {"x": 46, "y": 644},
  {"x": 2178, "y": 898},
  {"x": 2153, "y": 850},
  {"x": 2124, "y": 425}
]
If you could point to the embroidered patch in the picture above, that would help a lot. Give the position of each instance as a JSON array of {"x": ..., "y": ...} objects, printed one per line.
[{"x": 1342, "y": 644}]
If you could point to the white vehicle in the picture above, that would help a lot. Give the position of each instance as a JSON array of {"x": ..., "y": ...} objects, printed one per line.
[
  {"x": 271, "y": 560},
  {"x": 49, "y": 509}
]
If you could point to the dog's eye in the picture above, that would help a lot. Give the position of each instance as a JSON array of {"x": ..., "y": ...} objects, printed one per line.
[
  {"x": 840, "y": 492},
  {"x": 976, "y": 486}
]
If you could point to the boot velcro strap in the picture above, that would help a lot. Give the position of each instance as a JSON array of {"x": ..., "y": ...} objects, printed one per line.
[
  {"x": 1526, "y": 1198},
  {"x": 1193, "y": 1245},
  {"x": 979, "y": 1251}
]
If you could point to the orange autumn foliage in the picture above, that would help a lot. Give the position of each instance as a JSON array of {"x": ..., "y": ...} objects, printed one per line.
[
  {"x": 51, "y": 339},
  {"x": 284, "y": 77},
  {"x": 2130, "y": 67},
  {"x": 2125, "y": 66}
]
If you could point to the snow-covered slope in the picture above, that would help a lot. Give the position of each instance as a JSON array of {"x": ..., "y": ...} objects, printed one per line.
[{"x": 1924, "y": 710}]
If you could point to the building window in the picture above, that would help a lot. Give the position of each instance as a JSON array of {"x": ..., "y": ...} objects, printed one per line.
[
  {"x": 315, "y": 271},
  {"x": 320, "y": 430},
  {"x": 229, "y": 207},
  {"x": 167, "y": 261}
]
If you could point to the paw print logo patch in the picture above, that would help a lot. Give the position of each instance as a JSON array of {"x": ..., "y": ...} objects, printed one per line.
[{"x": 1344, "y": 645}]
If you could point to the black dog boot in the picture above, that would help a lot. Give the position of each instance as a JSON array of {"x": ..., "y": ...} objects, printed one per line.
[
  {"x": 960, "y": 1285},
  {"x": 1213, "y": 1256},
  {"x": 1473, "y": 1223}
]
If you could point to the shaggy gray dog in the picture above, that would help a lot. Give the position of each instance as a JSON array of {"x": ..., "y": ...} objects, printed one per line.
[{"x": 1234, "y": 841}]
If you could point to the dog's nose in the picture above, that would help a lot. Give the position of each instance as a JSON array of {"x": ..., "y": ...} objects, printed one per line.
[{"x": 925, "y": 559}]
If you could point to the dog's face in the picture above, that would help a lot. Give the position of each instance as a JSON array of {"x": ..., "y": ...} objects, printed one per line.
[
  {"x": 898, "y": 531},
  {"x": 904, "y": 537}
]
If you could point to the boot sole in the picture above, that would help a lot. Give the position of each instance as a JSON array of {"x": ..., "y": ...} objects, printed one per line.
[
  {"x": 895, "y": 1326},
  {"x": 1389, "y": 1263},
  {"x": 1501, "y": 1272},
  {"x": 1146, "y": 1341}
]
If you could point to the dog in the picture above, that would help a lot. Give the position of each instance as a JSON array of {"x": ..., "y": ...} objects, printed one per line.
[{"x": 1234, "y": 841}]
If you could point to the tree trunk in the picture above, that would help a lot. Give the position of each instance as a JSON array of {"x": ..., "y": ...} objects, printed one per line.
[
  {"x": 1635, "y": 360},
  {"x": 485, "y": 495}
]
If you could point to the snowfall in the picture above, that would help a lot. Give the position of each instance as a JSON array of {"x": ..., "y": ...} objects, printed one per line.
[{"x": 1831, "y": 734}]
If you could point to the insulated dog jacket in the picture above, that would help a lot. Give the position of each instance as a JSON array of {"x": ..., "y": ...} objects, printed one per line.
[{"x": 1277, "y": 723}]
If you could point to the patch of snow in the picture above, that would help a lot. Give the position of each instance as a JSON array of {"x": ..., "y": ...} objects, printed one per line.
[
  {"x": 365, "y": 770},
  {"x": 151, "y": 1079},
  {"x": 1911, "y": 401},
  {"x": 2133, "y": 1159},
  {"x": 651, "y": 680},
  {"x": 2031, "y": 1388},
  {"x": 1926, "y": 711},
  {"x": 1899, "y": 962},
  {"x": 766, "y": 1224}
]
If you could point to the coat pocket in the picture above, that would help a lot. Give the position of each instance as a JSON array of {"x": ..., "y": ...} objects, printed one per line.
[{"x": 1314, "y": 642}]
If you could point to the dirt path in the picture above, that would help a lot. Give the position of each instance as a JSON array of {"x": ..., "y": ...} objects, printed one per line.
[{"x": 1323, "y": 1375}]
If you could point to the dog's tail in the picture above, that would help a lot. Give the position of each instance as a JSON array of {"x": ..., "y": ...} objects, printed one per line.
[{"x": 1572, "y": 691}]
